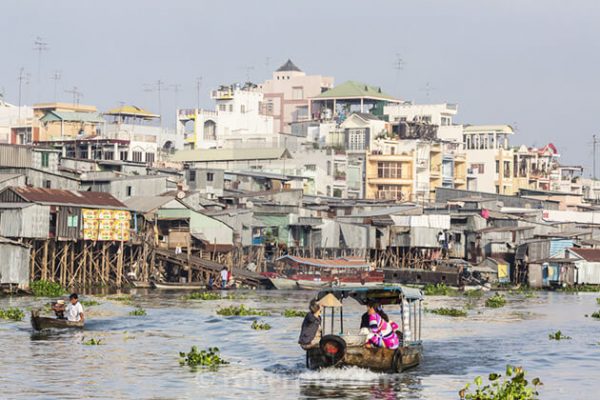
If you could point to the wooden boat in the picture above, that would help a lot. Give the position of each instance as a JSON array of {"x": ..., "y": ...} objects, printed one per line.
[
  {"x": 341, "y": 350},
  {"x": 178, "y": 285},
  {"x": 284, "y": 283},
  {"x": 141, "y": 284},
  {"x": 38, "y": 323}
]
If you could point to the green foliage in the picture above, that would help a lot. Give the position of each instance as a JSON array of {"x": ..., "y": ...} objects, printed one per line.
[
  {"x": 138, "y": 312},
  {"x": 598, "y": 300},
  {"x": 13, "y": 314},
  {"x": 439, "y": 289},
  {"x": 291, "y": 313},
  {"x": 44, "y": 288},
  {"x": 474, "y": 294},
  {"x": 449, "y": 312},
  {"x": 514, "y": 386},
  {"x": 558, "y": 336},
  {"x": 496, "y": 301},
  {"x": 203, "y": 296},
  {"x": 525, "y": 291},
  {"x": 580, "y": 288},
  {"x": 89, "y": 303},
  {"x": 596, "y": 315},
  {"x": 241, "y": 310},
  {"x": 260, "y": 326},
  {"x": 91, "y": 342},
  {"x": 205, "y": 358},
  {"x": 124, "y": 298}
]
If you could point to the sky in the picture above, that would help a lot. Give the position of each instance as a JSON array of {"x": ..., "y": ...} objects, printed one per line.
[{"x": 531, "y": 64}]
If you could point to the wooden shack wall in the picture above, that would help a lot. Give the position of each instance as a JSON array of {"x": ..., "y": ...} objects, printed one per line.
[
  {"x": 63, "y": 231},
  {"x": 27, "y": 222},
  {"x": 16, "y": 271}
]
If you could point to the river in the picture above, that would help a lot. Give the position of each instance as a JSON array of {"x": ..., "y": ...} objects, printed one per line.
[{"x": 138, "y": 357}]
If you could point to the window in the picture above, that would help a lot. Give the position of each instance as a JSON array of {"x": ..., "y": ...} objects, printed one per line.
[
  {"x": 243, "y": 109},
  {"x": 497, "y": 166},
  {"x": 390, "y": 192},
  {"x": 192, "y": 176},
  {"x": 45, "y": 160},
  {"x": 129, "y": 191},
  {"x": 149, "y": 157},
  {"x": 506, "y": 169},
  {"x": 478, "y": 168},
  {"x": 389, "y": 169},
  {"x": 47, "y": 184},
  {"x": 310, "y": 167},
  {"x": 231, "y": 108},
  {"x": 72, "y": 221},
  {"x": 356, "y": 139},
  {"x": 297, "y": 93},
  {"x": 328, "y": 168},
  {"x": 210, "y": 176},
  {"x": 136, "y": 156},
  {"x": 109, "y": 155},
  {"x": 222, "y": 107},
  {"x": 123, "y": 156}
]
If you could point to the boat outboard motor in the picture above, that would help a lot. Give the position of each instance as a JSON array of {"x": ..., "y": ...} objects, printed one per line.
[{"x": 333, "y": 349}]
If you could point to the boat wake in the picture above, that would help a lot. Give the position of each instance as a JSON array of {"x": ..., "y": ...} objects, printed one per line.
[{"x": 337, "y": 375}]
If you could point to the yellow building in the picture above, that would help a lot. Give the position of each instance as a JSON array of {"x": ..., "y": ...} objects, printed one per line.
[{"x": 59, "y": 121}]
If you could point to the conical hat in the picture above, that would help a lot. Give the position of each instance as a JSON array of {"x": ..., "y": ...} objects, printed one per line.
[{"x": 330, "y": 301}]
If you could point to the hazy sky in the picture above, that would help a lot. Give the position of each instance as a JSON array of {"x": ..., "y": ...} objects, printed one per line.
[{"x": 532, "y": 64}]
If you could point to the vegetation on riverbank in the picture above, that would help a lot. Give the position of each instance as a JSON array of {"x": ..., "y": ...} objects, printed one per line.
[
  {"x": 580, "y": 288},
  {"x": 448, "y": 312},
  {"x": 496, "y": 301},
  {"x": 513, "y": 386},
  {"x": 558, "y": 335},
  {"x": 260, "y": 326},
  {"x": 138, "y": 312},
  {"x": 204, "y": 358},
  {"x": 12, "y": 314},
  {"x": 241, "y": 310},
  {"x": 44, "y": 288},
  {"x": 291, "y": 313}
]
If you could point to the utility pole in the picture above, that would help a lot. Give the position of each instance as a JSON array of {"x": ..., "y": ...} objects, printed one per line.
[
  {"x": 76, "y": 94},
  {"x": 55, "y": 77},
  {"x": 176, "y": 87},
  {"x": 158, "y": 87},
  {"x": 40, "y": 46},
  {"x": 198, "y": 86},
  {"x": 594, "y": 142},
  {"x": 21, "y": 78}
]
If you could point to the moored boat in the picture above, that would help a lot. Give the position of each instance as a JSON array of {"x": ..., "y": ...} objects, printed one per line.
[
  {"x": 178, "y": 285},
  {"x": 39, "y": 323},
  {"x": 336, "y": 349}
]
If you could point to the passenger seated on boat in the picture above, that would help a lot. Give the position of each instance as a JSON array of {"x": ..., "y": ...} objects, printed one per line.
[
  {"x": 74, "y": 310},
  {"x": 383, "y": 333},
  {"x": 365, "y": 328},
  {"x": 59, "y": 309},
  {"x": 310, "y": 333}
]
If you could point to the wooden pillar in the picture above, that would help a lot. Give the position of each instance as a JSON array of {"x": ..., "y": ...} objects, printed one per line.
[
  {"x": 120, "y": 266},
  {"x": 45, "y": 260}
]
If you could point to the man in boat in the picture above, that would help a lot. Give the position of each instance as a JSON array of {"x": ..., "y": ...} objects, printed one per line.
[
  {"x": 310, "y": 333},
  {"x": 74, "y": 310}
]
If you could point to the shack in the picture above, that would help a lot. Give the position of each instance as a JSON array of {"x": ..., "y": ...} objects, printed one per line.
[{"x": 14, "y": 270}]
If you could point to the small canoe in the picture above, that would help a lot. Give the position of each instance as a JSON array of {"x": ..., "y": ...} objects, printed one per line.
[
  {"x": 141, "y": 284},
  {"x": 178, "y": 285},
  {"x": 39, "y": 323},
  {"x": 284, "y": 283}
]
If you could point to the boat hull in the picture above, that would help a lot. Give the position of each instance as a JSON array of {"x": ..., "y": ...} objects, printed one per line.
[
  {"x": 376, "y": 359},
  {"x": 284, "y": 283},
  {"x": 39, "y": 323},
  {"x": 178, "y": 286}
]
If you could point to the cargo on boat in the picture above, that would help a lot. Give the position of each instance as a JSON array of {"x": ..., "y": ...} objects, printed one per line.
[
  {"x": 39, "y": 323},
  {"x": 339, "y": 349}
]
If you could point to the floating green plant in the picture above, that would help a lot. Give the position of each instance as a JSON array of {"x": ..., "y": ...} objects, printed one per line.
[
  {"x": 91, "y": 342},
  {"x": 514, "y": 386},
  {"x": 449, "y": 312},
  {"x": 138, "y": 312},
  {"x": 241, "y": 310},
  {"x": 474, "y": 294},
  {"x": 204, "y": 358},
  {"x": 558, "y": 335},
  {"x": 596, "y": 314},
  {"x": 43, "y": 288},
  {"x": 260, "y": 326},
  {"x": 13, "y": 314},
  {"x": 580, "y": 288},
  {"x": 291, "y": 313},
  {"x": 598, "y": 300},
  {"x": 439, "y": 289},
  {"x": 496, "y": 301},
  {"x": 89, "y": 303},
  {"x": 203, "y": 296}
]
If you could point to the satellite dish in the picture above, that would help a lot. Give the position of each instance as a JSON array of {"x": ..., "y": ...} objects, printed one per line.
[{"x": 181, "y": 194}]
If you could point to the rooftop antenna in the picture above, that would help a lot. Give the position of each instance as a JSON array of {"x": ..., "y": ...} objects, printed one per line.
[
  {"x": 56, "y": 76},
  {"x": 176, "y": 87},
  {"x": 158, "y": 87},
  {"x": 23, "y": 77},
  {"x": 198, "y": 86},
  {"x": 40, "y": 46},
  {"x": 594, "y": 142},
  {"x": 267, "y": 64},
  {"x": 77, "y": 95},
  {"x": 249, "y": 69},
  {"x": 428, "y": 89}
]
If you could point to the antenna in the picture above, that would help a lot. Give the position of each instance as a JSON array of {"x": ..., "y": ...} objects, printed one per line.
[
  {"x": 198, "y": 86},
  {"x": 428, "y": 89},
  {"x": 249, "y": 69},
  {"x": 158, "y": 87},
  {"x": 76, "y": 94},
  {"x": 176, "y": 87},
  {"x": 56, "y": 76},
  {"x": 398, "y": 65},
  {"x": 22, "y": 78},
  {"x": 594, "y": 142},
  {"x": 40, "y": 46}
]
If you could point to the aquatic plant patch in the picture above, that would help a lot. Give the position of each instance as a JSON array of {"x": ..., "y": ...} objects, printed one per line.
[
  {"x": 558, "y": 335},
  {"x": 513, "y": 386},
  {"x": 439, "y": 289},
  {"x": 204, "y": 358},
  {"x": 13, "y": 314},
  {"x": 138, "y": 312},
  {"x": 91, "y": 342},
  {"x": 496, "y": 301},
  {"x": 89, "y": 303},
  {"x": 596, "y": 315},
  {"x": 449, "y": 312},
  {"x": 291, "y": 313},
  {"x": 44, "y": 288},
  {"x": 202, "y": 296},
  {"x": 242, "y": 310},
  {"x": 474, "y": 294},
  {"x": 598, "y": 300},
  {"x": 580, "y": 288},
  {"x": 260, "y": 326}
]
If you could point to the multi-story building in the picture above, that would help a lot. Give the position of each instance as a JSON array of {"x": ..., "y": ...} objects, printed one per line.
[
  {"x": 286, "y": 95},
  {"x": 440, "y": 115},
  {"x": 17, "y": 125},
  {"x": 60, "y": 121}
]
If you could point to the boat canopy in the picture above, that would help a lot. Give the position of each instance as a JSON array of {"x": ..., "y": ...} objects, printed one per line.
[{"x": 381, "y": 295}]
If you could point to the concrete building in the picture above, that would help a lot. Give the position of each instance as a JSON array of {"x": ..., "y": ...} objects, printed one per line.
[
  {"x": 440, "y": 115},
  {"x": 17, "y": 124},
  {"x": 286, "y": 95},
  {"x": 63, "y": 120}
]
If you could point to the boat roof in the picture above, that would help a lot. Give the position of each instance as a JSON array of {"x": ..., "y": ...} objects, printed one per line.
[{"x": 385, "y": 294}]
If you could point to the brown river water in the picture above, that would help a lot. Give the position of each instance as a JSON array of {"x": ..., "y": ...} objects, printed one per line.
[{"x": 138, "y": 357}]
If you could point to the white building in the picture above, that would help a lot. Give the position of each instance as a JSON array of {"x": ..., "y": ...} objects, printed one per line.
[
  {"x": 15, "y": 123},
  {"x": 441, "y": 115}
]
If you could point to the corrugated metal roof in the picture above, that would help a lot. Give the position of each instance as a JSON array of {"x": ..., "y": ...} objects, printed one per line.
[
  {"x": 67, "y": 197},
  {"x": 92, "y": 117},
  {"x": 146, "y": 204},
  {"x": 591, "y": 255},
  {"x": 208, "y": 155},
  {"x": 131, "y": 111},
  {"x": 316, "y": 262},
  {"x": 7, "y": 177},
  {"x": 353, "y": 89}
]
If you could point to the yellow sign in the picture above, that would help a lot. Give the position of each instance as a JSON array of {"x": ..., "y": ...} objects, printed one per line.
[{"x": 106, "y": 225}]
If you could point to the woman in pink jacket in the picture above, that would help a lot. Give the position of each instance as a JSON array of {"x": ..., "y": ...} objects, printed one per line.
[{"x": 383, "y": 333}]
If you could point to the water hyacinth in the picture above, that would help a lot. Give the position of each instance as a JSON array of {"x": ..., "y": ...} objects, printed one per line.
[
  {"x": 91, "y": 342},
  {"x": 89, "y": 303},
  {"x": 558, "y": 335},
  {"x": 439, "y": 289},
  {"x": 205, "y": 358},
  {"x": 514, "y": 386},
  {"x": 241, "y": 310},
  {"x": 496, "y": 301},
  {"x": 13, "y": 314},
  {"x": 202, "y": 296},
  {"x": 260, "y": 326},
  {"x": 449, "y": 312},
  {"x": 291, "y": 313},
  {"x": 42, "y": 288},
  {"x": 138, "y": 312},
  {"x": 596, "y": 315}
]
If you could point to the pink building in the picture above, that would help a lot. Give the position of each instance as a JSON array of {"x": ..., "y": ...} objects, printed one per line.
[{"x": 286, "y": 95}]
